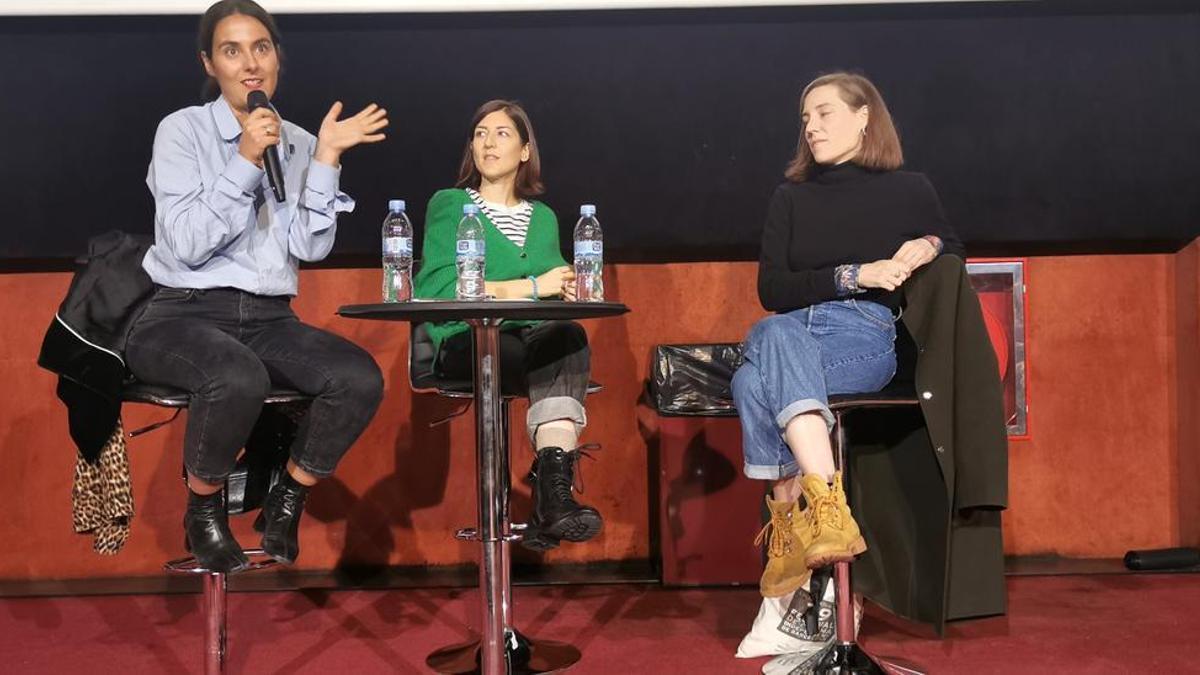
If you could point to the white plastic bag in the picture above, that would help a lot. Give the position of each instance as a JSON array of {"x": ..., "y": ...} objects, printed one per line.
[{"x": 780, "y": 628}]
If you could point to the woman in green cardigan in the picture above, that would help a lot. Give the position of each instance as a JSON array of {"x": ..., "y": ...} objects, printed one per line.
[{"x": 549, "y": 360}]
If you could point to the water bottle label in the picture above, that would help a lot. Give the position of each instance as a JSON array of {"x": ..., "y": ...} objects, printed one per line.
[
  {"x": 397, "y": 245},
  {"x": 469, "y": 248},
  {"x": 589, "y": 249}
]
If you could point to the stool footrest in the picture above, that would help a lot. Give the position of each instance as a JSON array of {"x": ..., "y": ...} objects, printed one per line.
[
  {"x": 472, "y": 534},
  {"x": 189, "y": 565}
]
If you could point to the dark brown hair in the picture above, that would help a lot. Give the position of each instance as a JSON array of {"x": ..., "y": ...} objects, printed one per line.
[
  {"x": 881, "y": 145},
  {"x": 529, "y": 175},
  {"x": 225, "y": 9}
]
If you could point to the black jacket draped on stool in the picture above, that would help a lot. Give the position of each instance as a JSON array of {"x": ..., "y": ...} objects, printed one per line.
[
  {"x": 85, "y": 346},
  {"x": 85, "y": 342},
  {"x": 928, "y": 487}
]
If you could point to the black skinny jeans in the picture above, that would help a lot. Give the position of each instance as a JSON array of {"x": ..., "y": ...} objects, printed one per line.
[{"x": 227, "y": 347}]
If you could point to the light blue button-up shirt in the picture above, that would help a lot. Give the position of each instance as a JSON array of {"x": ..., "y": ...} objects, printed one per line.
[{"x": 216, "y": 221}]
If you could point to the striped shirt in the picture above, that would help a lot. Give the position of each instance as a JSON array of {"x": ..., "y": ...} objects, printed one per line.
[{"x": 512, "y": 221}]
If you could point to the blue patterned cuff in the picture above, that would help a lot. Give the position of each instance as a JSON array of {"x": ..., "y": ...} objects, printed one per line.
[{"x": 845, "y": 279}]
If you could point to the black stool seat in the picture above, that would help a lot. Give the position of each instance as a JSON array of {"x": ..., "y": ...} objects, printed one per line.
[
  {"x": 173, "y": 397},
  {"x": 890, "y": 396}
]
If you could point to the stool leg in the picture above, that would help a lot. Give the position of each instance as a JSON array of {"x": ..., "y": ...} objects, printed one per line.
[
  {"x": 505, "y": 520},
  {"x": 214, "y": 623},
  {"x": 843, "y": 601},
  {"x": 516, "y": 645},
  {"x": 845, "y": 657}
]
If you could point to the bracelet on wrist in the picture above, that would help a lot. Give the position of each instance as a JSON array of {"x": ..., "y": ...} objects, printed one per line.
[{"x": 533, "y": 282}]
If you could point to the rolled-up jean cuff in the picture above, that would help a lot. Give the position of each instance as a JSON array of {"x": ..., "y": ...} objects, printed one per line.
[
  {"x": 555, "y": 408},
  {"x": 804, "y": 405},
  {"x": 777, "y": 472},
  {"x": 210, "y": 478},
  {"x": 312, "y": 470}
]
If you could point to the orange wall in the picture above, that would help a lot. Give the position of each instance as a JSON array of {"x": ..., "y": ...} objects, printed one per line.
[{"x": 1097, "y": 476}]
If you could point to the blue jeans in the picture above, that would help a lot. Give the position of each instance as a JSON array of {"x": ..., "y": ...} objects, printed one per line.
[{"x": 795, "y": 361}]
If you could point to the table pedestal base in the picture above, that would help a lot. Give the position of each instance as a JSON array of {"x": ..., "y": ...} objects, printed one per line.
[{"x": 522, "y": 655}]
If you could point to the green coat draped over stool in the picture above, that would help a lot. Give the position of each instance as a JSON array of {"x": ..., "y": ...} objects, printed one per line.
[{"x": 928, "y": 487}]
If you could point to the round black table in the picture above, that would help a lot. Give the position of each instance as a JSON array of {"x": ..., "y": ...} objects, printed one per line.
[{"x": 501, "y": 648}]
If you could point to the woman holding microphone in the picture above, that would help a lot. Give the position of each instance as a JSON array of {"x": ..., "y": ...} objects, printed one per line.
[{"x": 224, "y": 261}]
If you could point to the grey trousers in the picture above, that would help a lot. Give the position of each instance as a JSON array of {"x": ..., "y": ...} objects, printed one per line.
[{"x": 549, "y": 362}]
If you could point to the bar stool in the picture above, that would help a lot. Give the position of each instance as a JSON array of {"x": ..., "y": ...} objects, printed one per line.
[
  {"x": 243, "y": 493},
  {"x": 845, "y": 656},
  {"x": 523, "y": 655}
]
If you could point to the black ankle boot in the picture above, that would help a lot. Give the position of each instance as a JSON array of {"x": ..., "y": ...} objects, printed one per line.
[
  {"x": 556, "y": 514},
  {"x": 206, "y": 526},
  {"x": 280, "y": 519}
]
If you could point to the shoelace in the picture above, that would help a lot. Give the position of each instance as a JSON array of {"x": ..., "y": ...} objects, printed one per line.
[
  {"x": 824, "y": 510},
  {"x": 780, "y": 542},
  {"x": 577, "y": 470},
  {"x": 561, "y": 485}
]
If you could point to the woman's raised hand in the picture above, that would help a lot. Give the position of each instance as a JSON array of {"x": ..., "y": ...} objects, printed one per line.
[{"x": 337, "y": 136}]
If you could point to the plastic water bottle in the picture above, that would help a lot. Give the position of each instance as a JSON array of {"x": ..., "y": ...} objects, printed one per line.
[
  {"x": 397, "y": 254},
  {"x": 469, "y": 253},
  {"x": 589, "y": 256}
]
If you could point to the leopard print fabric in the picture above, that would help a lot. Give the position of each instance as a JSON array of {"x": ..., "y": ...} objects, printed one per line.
[{"x": 102, "y": 496}]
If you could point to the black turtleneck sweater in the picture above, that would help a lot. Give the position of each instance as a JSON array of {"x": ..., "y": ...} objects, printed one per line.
[{"x": 842, "y": 215}]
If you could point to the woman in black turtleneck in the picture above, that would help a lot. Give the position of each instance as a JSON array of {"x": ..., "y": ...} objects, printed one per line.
[{"x": 842, "y": 235}]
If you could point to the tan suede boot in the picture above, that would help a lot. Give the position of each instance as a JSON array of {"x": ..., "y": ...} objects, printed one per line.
[
  {"x": 835, "y": 535},
  {"x": 786, "y": 544}
]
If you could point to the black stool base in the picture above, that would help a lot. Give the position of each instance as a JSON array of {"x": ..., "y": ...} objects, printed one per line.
[
  {"x": 524, "y": 656},
  {"x": 850, "y": 659}
]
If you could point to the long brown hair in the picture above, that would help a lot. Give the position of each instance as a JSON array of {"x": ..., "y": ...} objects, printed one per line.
[
  {"x": 881, "y": 145},
  {"x": 529, "y": 174}
]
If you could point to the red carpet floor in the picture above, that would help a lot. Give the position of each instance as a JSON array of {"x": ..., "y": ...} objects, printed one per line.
[{"x": 1093, "y": 624}]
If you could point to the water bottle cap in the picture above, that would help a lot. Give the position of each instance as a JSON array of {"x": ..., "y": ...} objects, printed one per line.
[
  {"x": 395, "y": 205},
  {"x": 470, "y": 209},
  {"x": 587, "y": 210}
]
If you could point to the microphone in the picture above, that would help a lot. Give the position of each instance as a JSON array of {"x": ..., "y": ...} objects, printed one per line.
[{"x": 258, "y": 99}]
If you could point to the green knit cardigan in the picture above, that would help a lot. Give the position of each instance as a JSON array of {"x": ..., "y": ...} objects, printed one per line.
[{"x": 505, "y": 260}]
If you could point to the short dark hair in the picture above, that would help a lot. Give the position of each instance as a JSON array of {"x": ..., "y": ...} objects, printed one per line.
[
  {"x": 881, "y": 146},
  {"x": 529, "y": 175},
  {"x": 208, "y": 26}
]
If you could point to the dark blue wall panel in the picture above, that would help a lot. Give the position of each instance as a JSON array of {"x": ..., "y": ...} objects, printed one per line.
[{"x": 1045, "y": 128}]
